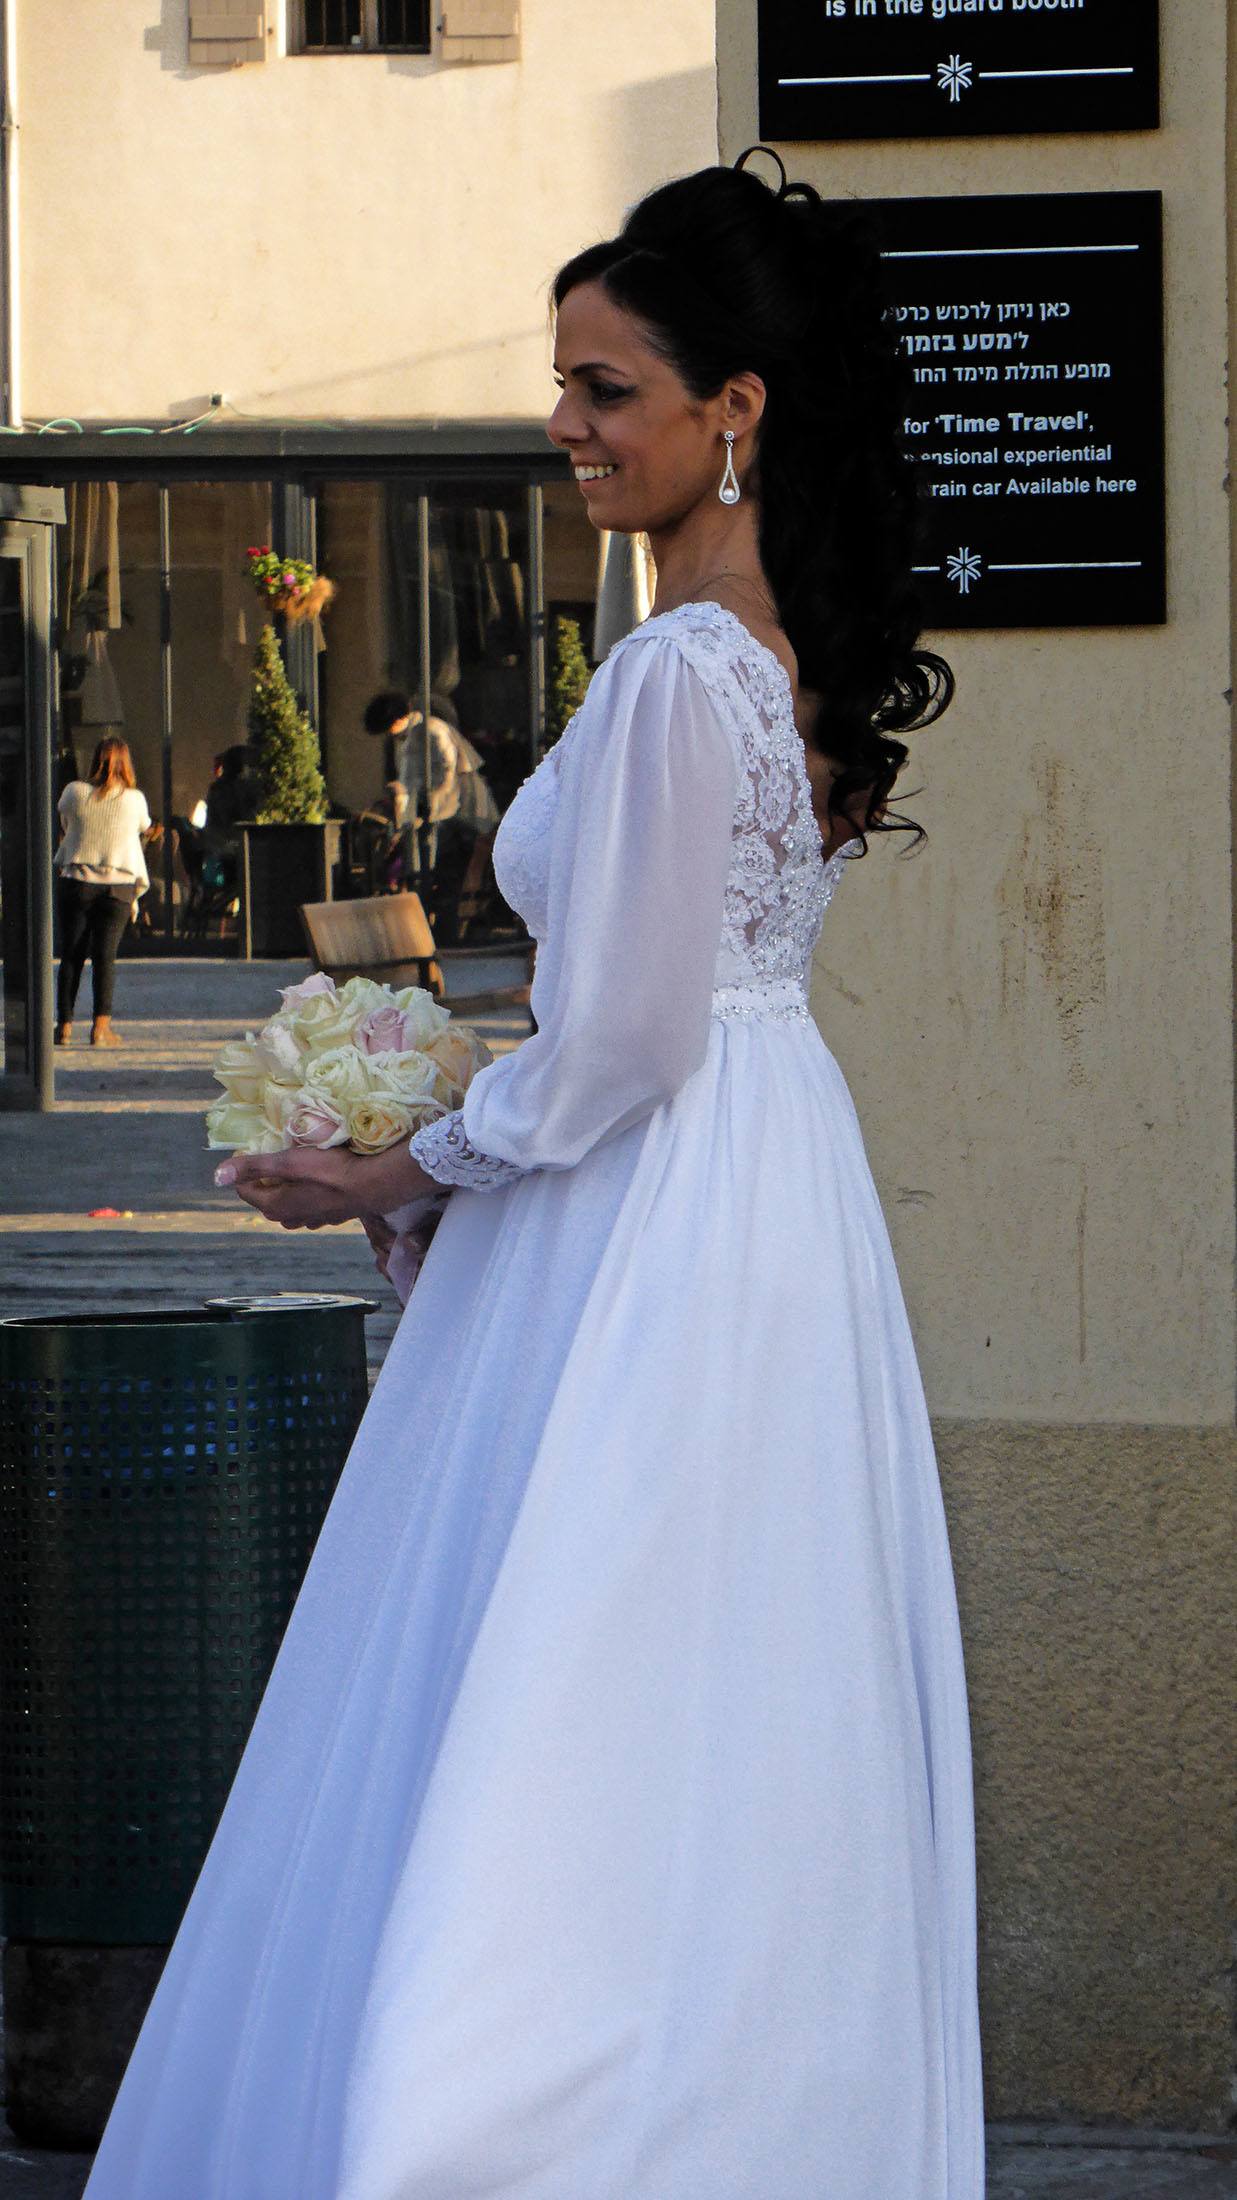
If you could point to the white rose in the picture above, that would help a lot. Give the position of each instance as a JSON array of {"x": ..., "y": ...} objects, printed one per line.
[
  {"x": 279, "y": 1103},
  {"x": 341, "y": 1076},
  {"x": 241, "y": 1072},
  {"x": 243, "y": 1129},
  {"x": 280, "y": 1054},
  {"x": 324, "y": 1021},
  {"x": 424, "y": 1018},
  {"x": 378, "y": 1122},
  {"x": 360, "y": 995},
  {"x": 412, "y": 1081}
]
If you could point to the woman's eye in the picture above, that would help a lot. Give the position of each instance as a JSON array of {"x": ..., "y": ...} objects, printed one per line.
[{"x": 606, "y": 393}]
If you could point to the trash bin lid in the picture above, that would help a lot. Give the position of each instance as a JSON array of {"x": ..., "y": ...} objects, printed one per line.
[{"x": 290, "y": 1302}]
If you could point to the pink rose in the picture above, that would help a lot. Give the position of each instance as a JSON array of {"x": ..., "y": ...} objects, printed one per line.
[
  {"x": 384, "y": 1031},
  {"x": 316, "y": 1123},
  {"x": 293, "y": 995}
]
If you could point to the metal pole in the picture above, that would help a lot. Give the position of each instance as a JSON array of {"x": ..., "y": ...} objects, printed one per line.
[
  {"x": 165, "y": 699},
  {"x": 39, "y": 819},
  {"x": 296, "y": 537},
  {"x": 10, "y": 401},
  {"x": 426, "y": 644},
  {"x": 536, "y": 623}
]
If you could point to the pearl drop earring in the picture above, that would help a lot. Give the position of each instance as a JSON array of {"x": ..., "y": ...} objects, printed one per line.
[{"x": 730, "y": 491}]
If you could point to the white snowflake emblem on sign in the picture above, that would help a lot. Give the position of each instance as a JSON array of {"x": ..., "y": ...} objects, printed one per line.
[
  {"x": 965, "y": 567},
  {"x": 954, "y": 76}
]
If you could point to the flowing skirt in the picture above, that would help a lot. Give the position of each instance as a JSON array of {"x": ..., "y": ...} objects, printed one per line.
[{"x": 606, "y": 1829}]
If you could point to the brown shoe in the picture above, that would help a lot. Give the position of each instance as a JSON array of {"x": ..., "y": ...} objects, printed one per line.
[
  {"x": 62, "y": 1034},
  {"x": 102, "y": 1035}
]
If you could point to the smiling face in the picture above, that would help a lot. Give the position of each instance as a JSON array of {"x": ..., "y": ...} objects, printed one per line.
[{"x": 644, "y": 451}]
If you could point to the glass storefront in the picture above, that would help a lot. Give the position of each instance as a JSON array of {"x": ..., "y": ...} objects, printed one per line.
[
  {"x": 369, "y": 543},
  {"x": 122, "y": 560},
  {"x": 157, "y": 626}
]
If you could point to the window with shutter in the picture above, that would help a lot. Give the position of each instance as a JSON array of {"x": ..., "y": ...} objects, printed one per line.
[
  {"x": 224, "y": 33},
  {"x": 481, "y": 30},
  {"x": 360, "y": 26}
]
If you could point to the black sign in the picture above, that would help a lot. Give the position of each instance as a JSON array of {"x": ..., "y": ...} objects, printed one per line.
[
  {"x": 1034, "y": 333},
  {"x": 956, "y": 68}
]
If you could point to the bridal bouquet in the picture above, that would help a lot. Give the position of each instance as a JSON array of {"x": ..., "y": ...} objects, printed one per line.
[{"x": 356, "y": 1065}]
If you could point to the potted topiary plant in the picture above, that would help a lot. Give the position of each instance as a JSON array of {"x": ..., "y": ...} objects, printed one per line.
[
  {"x": 290, "y": 848},
  {"x": 569, "y": 676}
]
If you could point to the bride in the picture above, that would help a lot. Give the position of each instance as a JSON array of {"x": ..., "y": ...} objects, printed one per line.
[{"x": 606, "y": 1829}]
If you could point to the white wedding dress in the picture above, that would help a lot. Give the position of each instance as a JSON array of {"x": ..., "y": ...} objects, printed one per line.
[{"x": 606, "y": 1829}]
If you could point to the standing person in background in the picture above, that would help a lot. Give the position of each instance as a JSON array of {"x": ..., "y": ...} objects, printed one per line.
[
  {"x": 460, "y": 803},
  {"x": 462, "y": 809},
  {"x": 102, "y": 869},
  {"x": 386, "y": 716},
  {"x": 394, "y": 714},
  {"x": 231, "y": 795}
]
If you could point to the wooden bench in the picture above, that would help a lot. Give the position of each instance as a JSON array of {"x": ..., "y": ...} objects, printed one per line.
[
  {"x": 381, "y": 936},
  {"x": 387, "y": 937}
]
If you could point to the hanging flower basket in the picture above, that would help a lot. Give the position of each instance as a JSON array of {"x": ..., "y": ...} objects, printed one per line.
[{"x": 289, "y": 585}]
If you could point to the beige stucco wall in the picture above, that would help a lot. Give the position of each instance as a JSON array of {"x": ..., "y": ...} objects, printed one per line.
[
  {"x": 1096, "y": 1587},
  {"x": 353, "y": 235},
  {"x": 1038, "y": 1009},
  {"x": 1036, "y": 1017}
]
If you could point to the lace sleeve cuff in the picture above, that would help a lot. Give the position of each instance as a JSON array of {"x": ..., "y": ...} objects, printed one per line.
[{"x": 445, "y": 1151}]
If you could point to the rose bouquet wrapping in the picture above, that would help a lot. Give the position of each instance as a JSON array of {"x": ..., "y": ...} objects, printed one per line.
[{"x": 358, "y": 1065}]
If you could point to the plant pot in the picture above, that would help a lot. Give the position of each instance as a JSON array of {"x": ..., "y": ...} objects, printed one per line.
[{"x": 283, "y": 866}]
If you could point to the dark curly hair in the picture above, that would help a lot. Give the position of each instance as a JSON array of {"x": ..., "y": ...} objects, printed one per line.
[
  {"x": 385, "y": 710},
  {"x": 729, "y": 276}
]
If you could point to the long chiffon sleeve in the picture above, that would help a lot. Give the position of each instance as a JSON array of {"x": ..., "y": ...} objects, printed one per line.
[{"x": 622, "y": 995}]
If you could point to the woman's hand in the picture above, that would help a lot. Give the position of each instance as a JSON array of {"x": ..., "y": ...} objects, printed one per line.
[
  {"x": 310, "y": 1187},
  {"x": 304, "y": 1188},
  {"x": 381, "y": 1237}
]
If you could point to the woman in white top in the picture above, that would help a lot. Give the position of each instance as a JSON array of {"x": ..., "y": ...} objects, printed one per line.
[{"x": 102, "y": 874}]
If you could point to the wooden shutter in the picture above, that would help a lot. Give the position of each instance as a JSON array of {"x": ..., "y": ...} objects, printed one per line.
[
  {"x": 481, "y": 30},
  {"x": 225, "y": 32}
]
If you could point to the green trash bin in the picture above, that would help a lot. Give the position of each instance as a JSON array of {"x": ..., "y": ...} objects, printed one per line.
[{"x": 163, "y": 1478}]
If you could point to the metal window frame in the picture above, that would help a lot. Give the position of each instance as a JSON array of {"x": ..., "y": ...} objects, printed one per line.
[
  {"x": 27, "y": 535},
  {"x": 370, "y": 42}
]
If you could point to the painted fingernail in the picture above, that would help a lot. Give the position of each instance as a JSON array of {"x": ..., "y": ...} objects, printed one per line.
[{"x": 225, "y": 1174}]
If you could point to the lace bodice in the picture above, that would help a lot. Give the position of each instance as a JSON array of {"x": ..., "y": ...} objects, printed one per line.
[
  {"x": 666, "y": 858},
  {"x": 778, "y": 889}
]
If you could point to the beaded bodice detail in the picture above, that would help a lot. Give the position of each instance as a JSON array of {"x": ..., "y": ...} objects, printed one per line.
[{"x": 778, "y": 888}]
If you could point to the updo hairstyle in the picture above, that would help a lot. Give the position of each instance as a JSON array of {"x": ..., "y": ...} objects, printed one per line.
[{"x": 730, "y": 276}]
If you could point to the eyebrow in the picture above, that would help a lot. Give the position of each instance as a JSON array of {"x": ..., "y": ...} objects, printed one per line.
[{"x": 590, "y": 366}]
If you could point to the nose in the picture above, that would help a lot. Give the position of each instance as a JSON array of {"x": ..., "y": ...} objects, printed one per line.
[{"x": 564, "y": 426}]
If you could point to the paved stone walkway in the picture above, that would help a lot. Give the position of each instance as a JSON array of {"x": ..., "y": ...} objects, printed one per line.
[
  {"x": 127, "y": 1133},
  {"x": 1158, "y": 2167}
]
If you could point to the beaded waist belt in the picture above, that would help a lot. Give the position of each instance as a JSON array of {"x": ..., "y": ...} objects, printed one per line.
[{"x": 778, "y": 999}]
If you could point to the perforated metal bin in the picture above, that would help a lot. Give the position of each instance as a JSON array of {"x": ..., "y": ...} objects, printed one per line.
[{"x": 163, "y": 1478}]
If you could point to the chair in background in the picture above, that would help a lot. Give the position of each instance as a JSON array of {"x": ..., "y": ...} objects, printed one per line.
[{"x": 212, "y": 887}]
